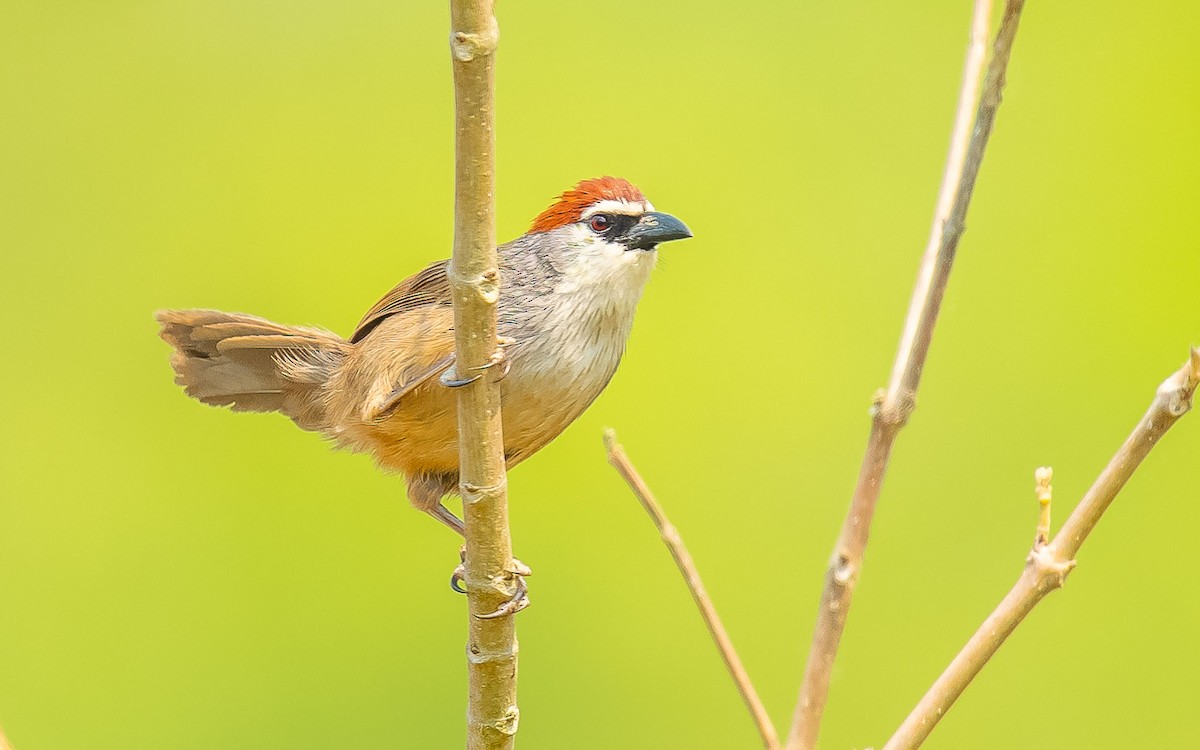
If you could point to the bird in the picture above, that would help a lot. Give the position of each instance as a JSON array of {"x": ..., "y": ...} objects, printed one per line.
[{"x": 569, "y": 289}]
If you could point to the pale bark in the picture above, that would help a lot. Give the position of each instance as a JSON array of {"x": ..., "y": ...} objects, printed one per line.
[
  {"x": 893, "y": 406},
  {"x": 1048, "y": 564},
  {"x": 492, "y": 713}
]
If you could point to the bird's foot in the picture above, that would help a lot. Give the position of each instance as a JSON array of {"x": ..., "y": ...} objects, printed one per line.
[
  {"x": 515, "y": 603},
  {"x": 460, "y": 572},
  {"x": 519, "y": 599},
  {"x": 451, "y": 379},
  {"x": 499, "y": 357}
]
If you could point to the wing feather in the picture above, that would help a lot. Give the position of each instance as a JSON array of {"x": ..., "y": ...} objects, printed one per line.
[
  {"x": 427, "y": 287},
  {"x": 412, "y": 331}
]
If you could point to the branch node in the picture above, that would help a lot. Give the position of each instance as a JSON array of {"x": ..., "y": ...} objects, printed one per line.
[
  {"x": 1051, "y": 572},
  {"x": 488, "y": 286},
  {"x": 842, "y": 570},
  {"x": 484, "y": 286},
  {"x": 474, "y": 493},
  {"x": 503, "y": 584},
  {"x": 1179, "y": 389},
  {"x": 476, "y": 656},
  {"x": 466, "y": 46},
  {"x": 895, "y": 409},
  {"x": 877, "y": 399},
  {"x": 505, "y": 724}
]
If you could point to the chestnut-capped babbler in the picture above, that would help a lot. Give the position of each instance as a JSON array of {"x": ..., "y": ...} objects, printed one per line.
[{"x": 569, "y": 287}]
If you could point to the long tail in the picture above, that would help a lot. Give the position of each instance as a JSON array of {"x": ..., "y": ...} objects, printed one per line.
[{"x": 252, "y": 364}]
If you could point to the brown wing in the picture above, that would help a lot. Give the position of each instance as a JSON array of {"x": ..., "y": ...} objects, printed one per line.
[
  {"x": 428, "y": 287},
  {"x": 403, "y": 353}
]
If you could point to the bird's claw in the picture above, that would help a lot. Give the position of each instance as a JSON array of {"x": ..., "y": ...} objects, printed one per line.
[
  {"x": 450, "y": 378},
  {"x": 456, "y": 579},
  {"x": 517, "y": 602},
  {"x": 499, "y": 357},
  {"x": 514, "y": 604},
  {"x": 460, "y": 572}
]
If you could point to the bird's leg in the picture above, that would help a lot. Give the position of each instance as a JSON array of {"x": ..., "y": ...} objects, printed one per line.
[
  {"x": 426, "y": 491},
  {"x": 520, "y": 599},
  {"x": 443, "y": 514}
]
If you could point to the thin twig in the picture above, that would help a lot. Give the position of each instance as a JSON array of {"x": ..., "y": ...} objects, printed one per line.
[
  {"x": 1045, "y": 493},
  {"x": 691, "y": 576},
  {"x": 490, "y": 579},
  {"x": 1047, "y": 566},
  {"x": 893, "y": 407}
]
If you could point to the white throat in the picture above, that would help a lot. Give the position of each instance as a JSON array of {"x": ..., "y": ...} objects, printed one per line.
[
  {"x": 587, "y": 317},
  {"x": 603, "y": 281}
]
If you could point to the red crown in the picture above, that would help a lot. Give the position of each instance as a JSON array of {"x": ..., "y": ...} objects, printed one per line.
[{"x": 570, "y": 206}]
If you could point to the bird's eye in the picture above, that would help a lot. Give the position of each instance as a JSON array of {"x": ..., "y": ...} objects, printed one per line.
[{"x": 599, "y": 223}]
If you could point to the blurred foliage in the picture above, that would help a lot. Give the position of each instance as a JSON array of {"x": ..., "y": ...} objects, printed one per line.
[{"x": 175, "y": 576}]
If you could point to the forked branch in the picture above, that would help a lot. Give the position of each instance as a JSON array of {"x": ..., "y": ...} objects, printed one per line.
[
  {"x": 475, "y": 283},
  {"x": 893, "y": 406},
  {"x": 691, "y": 576},
  {"x": 1048, "y": 565}
]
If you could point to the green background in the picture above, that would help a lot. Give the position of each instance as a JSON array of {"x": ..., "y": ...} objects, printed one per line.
[{"x": 176, "y": 576}]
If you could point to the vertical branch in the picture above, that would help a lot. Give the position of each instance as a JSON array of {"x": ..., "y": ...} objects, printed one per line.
[
  {"x": 691, "y": 576},
  {"x": 475, "y": 283},
  {"x": 1048, "y": 565},
  {"x": 893, "y": 406}
]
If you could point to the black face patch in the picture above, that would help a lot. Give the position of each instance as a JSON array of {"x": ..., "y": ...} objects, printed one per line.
[{"x": 612, "y": 227}]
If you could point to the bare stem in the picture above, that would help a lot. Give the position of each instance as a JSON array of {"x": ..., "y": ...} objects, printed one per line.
[
  {"x": 1047, "y": 566},
  {"x": 1045, "y": 491},
  {"x": 894, "y": 405},
  {"x": 691, "y": 576},
  {"x": 490, "y": 579}
]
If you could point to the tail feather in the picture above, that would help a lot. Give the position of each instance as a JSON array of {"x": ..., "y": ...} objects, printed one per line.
[{"x": 251, "y": 364}]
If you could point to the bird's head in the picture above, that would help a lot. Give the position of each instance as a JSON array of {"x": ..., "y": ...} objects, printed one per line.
[{"x": 612, "y": 212}]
